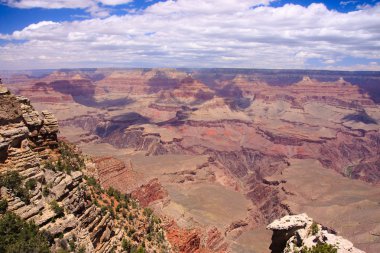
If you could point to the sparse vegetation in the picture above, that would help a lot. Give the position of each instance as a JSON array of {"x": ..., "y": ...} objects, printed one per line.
[
  {"x": 17, "y": 235},
  {"x": 45, "y": 191},
  {"x": 104, "y": 210},
  {"x": 126, "y": 245},
  {"x": 314, "y": 228},
  {"x": 72, "y": 245},
  {"x": 13, "y": 181},
  {"x": 71, "y": 159},
  {"x": 59, "y": 211},
  {"x": 141, "y": 249},
  {"x": 3, "y": 205},
  {"x": 49, "y": 165},
  {"x": 148, "y": 212},
  {"x": 31, "y": 184},
  {"x": 348, "y": 171},
  {"x": 320, "y": 248},
  {"x": 81, "y": 249},
  {"x": 68, "y": 161},
  {"x": 142, "y": 228}
]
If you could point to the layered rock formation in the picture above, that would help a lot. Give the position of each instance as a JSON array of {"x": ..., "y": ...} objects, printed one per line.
[
  {"x": 295, "y": 233},
  {"x": 52, "y": 192}
]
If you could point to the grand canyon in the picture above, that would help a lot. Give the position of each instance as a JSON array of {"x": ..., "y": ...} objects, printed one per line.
[{"x": 219, "y": 154}]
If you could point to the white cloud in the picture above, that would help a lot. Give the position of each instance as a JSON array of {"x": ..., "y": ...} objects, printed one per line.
[
  {"x": 48, "y": 4},
  {"x": 204, "y": 7},
  {"x": 372, "y": 66},
  {"x": 344, "y": 3},
  {"x": 364, "y": 6},
  {"x": 114, "y": 2},
  {"x": 92, "y": 6},
  {"x": 196, "y": 33}
]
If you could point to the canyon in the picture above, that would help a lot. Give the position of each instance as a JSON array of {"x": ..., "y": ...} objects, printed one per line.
[{"x": 219, "y": 154}]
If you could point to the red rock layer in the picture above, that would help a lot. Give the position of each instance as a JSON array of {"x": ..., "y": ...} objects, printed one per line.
[{"x": 149, "y": 193}]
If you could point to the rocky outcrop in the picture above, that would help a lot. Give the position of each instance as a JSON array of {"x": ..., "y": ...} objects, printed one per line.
[
  {"x": 138, "y": 139},
  {"x": 296, "y": 232},
  {"x": 53, "y": 192},
  {"x": 108, "y": 170},
  {"x": 186, "y": 241}
]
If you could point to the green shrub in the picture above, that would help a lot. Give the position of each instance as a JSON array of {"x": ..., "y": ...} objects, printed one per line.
[
  {"x": 62, "y": 251},
  {"x": 160, "y": 236},
  {"x": 23, "y": 194},
  {"x": 320, "y": 248},
  {"x": 70, "y": 159},
  {"x": 131, "y": 232},
  {"x": 49, "y": 165},
  {"x": 16, "y": 235},
  {"x": 91, "y": 181},
  {"x": 114, "y": 193},
  {"x": 72, "y": 245},
  {"x": 3, "y": 206},
  {"x": 59, "y": 211},
  {"x": 103, "y": 210},
  {"x": 118, "y": 207},
  {"x": 82, "y": 249},
  {"x": 141, "y": 249},
  {"x": 314, "y": 228},
  {"x": 126, "y": 245},
  {"x": 148, "y": 212},
  {"x": 111, "y": 211},
  {"x": 13, "y": 181},
  {"x": 31, "y": 184},
  {"x": 45, "y": 191}
]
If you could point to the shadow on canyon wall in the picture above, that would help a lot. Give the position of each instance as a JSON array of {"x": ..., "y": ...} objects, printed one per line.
[
  {"x": 119, "y": 123},
  {"x": 161, "y": 81},
  {"x": 83, "y": 92},
  {"x": 368, "y": 81},
  {"x": 361, "y": 116}
]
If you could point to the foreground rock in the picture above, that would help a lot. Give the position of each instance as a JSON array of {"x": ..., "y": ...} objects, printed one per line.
[
  {"x": 42, "y": 180},
  {"x": 294, "y": 233}
]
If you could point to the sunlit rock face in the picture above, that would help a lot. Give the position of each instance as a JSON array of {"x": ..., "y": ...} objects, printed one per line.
[{"x": 294, "y": 233}]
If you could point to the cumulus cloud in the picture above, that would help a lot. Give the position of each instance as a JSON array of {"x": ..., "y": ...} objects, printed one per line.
[
  {"x": 94, "y": 7},
  {"x": 196, "y": 33},
  {"x": 59, "y": 4},
  {"x": 114, "y": 2},
  {"x": 372, "y": 66},
  {"x": 344, "y": 3}
]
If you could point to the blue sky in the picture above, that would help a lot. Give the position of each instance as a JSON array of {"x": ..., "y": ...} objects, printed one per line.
[
  {"x": 12, "y": 19},
  {"x": 151, "y": 33}
]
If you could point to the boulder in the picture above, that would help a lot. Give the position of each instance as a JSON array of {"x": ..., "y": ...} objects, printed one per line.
[{"x": 292, "y": 233}]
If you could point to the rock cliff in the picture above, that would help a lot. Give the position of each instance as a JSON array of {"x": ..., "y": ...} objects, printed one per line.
[{"x": 44, "y": 180}]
